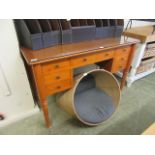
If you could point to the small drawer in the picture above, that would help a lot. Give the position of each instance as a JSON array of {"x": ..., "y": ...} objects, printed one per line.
[
  {"x": 122, "y": 52},
  {"x": 82, "y": 60},
  {"x": 57, "y": 76},
  {"x": 119, "y": 64},
  {"x": 55, "y": 66},
  {"x": 58, "y": 87},
  {"x": 104, "y": 56}
]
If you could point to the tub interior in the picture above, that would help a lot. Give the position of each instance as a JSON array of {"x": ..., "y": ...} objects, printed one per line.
[{"x": 92, "y": 104}]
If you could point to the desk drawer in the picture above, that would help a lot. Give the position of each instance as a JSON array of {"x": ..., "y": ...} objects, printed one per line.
[
  {"x": 57, "y": 87},
  {"x": 82, "y": 60},
  {"x": 119, "y": 64},
  {"x": 55, "y": 66},
  {"x": 57, "y": 77},
  {"x": 104, "y": 56},
  {"x": 122, "y": 52}
]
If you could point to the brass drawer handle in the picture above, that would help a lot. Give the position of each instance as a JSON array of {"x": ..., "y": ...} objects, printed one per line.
[
  {"x": 120, "y": 67},
  {"x": 107, "y": 54},
  {"x": 58, "y": 87},
  {"x": 49, "y": 69},
  {"x": 57, "y": 66},
  {"x": 85, "y": 59},
  {"x": 58, "y": 77}
]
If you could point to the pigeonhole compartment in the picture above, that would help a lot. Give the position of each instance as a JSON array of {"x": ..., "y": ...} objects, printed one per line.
[
  {"x": 94, "y": 97},
  {"x": 77, "y": 30},
  {"x": 91, "y": 24},
  {"x": 56, "y": 31},
  {"x": 82, "y": 29},
  {"x": 29, "y": 33},
  {"x": 66, "y": 31},
  {"x": 106, "y": 28},
  {"x": 51, "y": 32},
  {"x": 47, "y": 32},
  {"x": 112, "y": 27},
  {"x": 99, "y": 28},
  {"x": 119, "y": 27}
]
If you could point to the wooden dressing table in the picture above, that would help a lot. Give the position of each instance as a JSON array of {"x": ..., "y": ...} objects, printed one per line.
[{"x": 50, "y": 70}]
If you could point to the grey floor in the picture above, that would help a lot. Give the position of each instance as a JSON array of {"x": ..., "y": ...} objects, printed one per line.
[{"x": 136, "y": 112}]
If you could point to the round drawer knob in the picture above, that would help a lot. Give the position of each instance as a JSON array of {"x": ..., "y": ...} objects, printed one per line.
[
  {"x": 49, "y": 69},
  {"x": 84, "y": 59},
  {"x": 58, "y": 87},
  {"x": 56, "y": 66},
  {"x": 120, "y": 67},
  {"x": 57, "y": 77},
  {"x": 107, "y": 54}
]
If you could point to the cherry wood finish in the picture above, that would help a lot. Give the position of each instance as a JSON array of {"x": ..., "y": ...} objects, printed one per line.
[{"x": 51, "y": 69}]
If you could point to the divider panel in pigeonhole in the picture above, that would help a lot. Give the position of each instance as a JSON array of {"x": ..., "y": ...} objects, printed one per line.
[
  {"x": 76, "y": 30},
  {"x": 119, "y": 27},
  {"x": 66, "y": 31},
  {"x": 99, "y": 28},
  {"x": 106, "y": 28},
  {"x": 56, "y": 31},
  {"x": 29, "y": 33},
  {"x": 47, "y": 32},
  {"x": 91, "y": 23},
  {"x": 50, "y": 36},
  {"x": 112, "y": 27},
  {"x": 82, "y": 29},
  {"x": 94, "y": 97}
]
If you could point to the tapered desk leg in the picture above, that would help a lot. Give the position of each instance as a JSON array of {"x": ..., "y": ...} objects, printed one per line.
[
  {"x": 125, "y": 73},
  {"x": 126, "y": 70},
  {"x": 40, "y": 85},
  {"x": 44, "y": 105}
]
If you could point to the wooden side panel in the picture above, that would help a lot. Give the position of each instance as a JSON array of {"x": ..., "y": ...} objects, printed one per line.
[
  {"x": 126, "y": 70},
  {"x": 31, "y": 79},
  {"x": 123, "y": 52},
  {"x": 119, "y": 64},
  {"x": 39, "y": 81}
]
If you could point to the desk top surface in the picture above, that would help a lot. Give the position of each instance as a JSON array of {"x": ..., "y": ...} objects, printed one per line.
[
  {"x": 58, "y": 52},
  {"x": 143, "y": 33}
]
